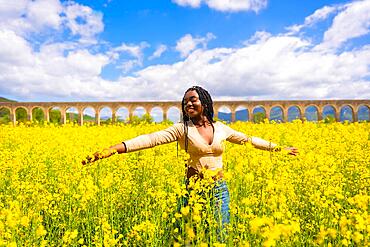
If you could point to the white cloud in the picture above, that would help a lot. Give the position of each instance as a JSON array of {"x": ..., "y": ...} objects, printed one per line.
[
  {"x": 128, "y": 65},
  {"x": 352, "y": 22},
  {"x": 27, "y": 16},
  {"x": 281, "y": 67},
  {"x": 187, "y": 43},
  {"x": 191, "y": 3},
  {"x": 12, "y": 9},
  {"x": 45, "y": 13},
  {"x": 158, "y": 52},
  {"x": 226, "y": 5},
  {"x": 134, "y": 52},
  {"x": 237, "y": 5},
  {"x": 34, "y": 16},
  {"x": 266, "y": 66},
  {"x": 259, "y": 36},
  {"x": 318, "y": 15},
  {"x": 14, "y": 50},
  {"x": 85, "y": 63},
  {"x": 82, "y": 20}
]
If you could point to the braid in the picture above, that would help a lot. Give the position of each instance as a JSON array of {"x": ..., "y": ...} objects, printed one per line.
[{"x": 207, "y": 103}]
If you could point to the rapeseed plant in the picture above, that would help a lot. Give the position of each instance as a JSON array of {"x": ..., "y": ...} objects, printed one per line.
[{"x": 320, "y": 197}]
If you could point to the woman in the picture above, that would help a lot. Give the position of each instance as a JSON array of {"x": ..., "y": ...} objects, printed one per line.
[{"x": 202, "y": 138}]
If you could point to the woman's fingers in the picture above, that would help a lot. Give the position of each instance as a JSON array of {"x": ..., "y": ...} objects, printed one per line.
[
  {"x": 88, "y": 159},
  {"x": 85, "y": 161},
  {"x": 292, "y": 151}
]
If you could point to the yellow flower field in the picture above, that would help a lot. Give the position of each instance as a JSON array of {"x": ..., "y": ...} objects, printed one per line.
[{"x": 319, "y": 198}]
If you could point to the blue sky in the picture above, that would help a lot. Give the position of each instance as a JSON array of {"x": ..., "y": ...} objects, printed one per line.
[{"x": 107, "y": 50}]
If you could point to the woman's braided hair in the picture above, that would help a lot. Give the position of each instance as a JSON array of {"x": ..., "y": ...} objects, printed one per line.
[{"x": 207, "y": 103}]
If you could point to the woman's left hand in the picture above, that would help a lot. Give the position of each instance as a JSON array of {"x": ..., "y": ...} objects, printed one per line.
[{"x": 292, "y": 151}]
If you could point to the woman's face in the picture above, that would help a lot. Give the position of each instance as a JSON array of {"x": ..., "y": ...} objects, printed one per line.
[{"x": 192, "y": 104}]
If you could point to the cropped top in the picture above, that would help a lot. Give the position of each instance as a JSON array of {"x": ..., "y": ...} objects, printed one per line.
[{"x": 202, "y": 154}]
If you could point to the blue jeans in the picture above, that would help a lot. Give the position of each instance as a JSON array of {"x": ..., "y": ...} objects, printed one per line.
[{"x": 220, "y": 200}]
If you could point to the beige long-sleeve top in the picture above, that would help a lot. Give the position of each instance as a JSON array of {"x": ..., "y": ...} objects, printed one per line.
[{"x": 202, "y": 154}]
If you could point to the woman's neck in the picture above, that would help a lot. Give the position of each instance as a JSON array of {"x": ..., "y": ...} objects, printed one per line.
[{"x": 200, "y": 121}]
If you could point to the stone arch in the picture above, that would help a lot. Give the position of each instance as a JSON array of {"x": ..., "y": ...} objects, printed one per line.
[
  {"x": 329, "y": 111},
  {"x": 38, "y": 114},
  {"x": 363, "y": 113},
  {"x": 21, "y": 114},
  {"x": 241, "y": 113},
  {"x": 294, "y": 112},
  {"x": 360, "y": 108},
  {"x": 104, "y": 115},
  {"x": 5, "y": 115},
  {"x": 157, "y": 114},
  {"x": 122, "y": 114},
  {"x": 37, "y": 106},
  {"x": 72, "y": 114},
  {"x": 346, "y": 113},
  {"x": 139, "y": 111},
  {"x": 88, "y": 107},
  {"x": 311, "y": 113},
  {"x": 55, "y": 114},
  {"x": 224, "y": 113},
  {"x": 88, "y": 115},
  {"x": 174, "y": 114},
  {"x": 277, "y": 113},
  {"x": 259, "y": 114}
]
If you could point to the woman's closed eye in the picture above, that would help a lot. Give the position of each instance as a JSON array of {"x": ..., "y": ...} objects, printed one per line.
[{"x": 191, "y": 99}]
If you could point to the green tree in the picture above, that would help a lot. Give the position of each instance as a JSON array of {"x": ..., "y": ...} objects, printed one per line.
[
  {"x": 55, "y": 116},
  {"x": 329, "y": 119},
  {"x": 146, "y": 118},
  {"x": 38, "y": 115},
  {"x": 4, "y": 116},
  {"x": 21, "y": 115},
  {"x": 106, "y": 121},
  {"x": 259, "y": 117}
]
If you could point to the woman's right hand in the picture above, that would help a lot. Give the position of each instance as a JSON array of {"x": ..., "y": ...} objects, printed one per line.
[
  {"x": 292, "y": 150},
  {"x": 118, "y": 148},
  {"x": 90, "y": 158}
]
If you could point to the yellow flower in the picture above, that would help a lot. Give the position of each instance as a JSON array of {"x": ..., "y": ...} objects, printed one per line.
[
  {"x": 40, "y": 231},
  {"x": 325, "y": 187},
  {"x": 185, "y": 210},
  {"x": 74, "y": 234},
  {"x": 219, "y": 245},
  {"x": 344, "y": 242},
  {"x": 25, "y": 221},
  {"x": 358, "y": 237},
  {"x": 164, "y": 215},
  {"x": 190, "y": 232}
]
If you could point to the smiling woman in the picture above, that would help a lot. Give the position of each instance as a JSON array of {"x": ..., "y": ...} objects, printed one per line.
[{"x": 202, "y": 138}]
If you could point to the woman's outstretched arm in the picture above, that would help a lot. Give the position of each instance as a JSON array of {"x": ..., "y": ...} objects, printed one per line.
[
  {"x": 268, "y": 145},
  {"x": 238, "y": 137},
  {"x": 105, "y": 153},
  {"x": 168, "y": 135}
]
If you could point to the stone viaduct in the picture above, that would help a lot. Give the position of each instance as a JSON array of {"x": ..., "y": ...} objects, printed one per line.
[{"x": 267, "y": 105}]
